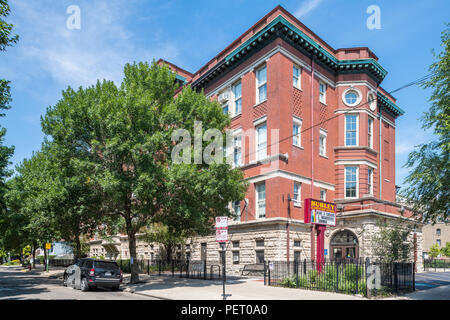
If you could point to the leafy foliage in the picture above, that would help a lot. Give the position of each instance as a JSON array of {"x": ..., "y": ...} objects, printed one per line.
[
  {"x": 392, "y": 242},
  {"x": 429, "y": 180}
]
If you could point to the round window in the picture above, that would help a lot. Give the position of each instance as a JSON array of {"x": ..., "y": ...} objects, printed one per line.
[{"x": 351, "y": 97}]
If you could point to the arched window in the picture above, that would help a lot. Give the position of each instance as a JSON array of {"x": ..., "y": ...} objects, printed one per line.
[{"x": 344, "y": 245}]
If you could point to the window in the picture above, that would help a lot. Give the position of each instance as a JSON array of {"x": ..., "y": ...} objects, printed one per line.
[
  {"x": 351, "y": 130},
  {"x": 438, "y": 232},
  {"x": 235, "y": 244},
  {"x": 297, "y": 194},
  {"x": 351, "y": 182},
  {"x": 370, "y": 181},
  {"x": 297, "y": 243},
  {"x": 225, "y": 108},
  {"x": 351, "y": 97},
  {"x": 261, "y": 84},
  {"x": 297, "y": 255},
  {"x": 323, "y": 194},
  {"x": 322, "y": 92},
  {"x": 370, "y": 132},
  {"x": 296, "y": 77},
  {"x": 235, "y": 257},
  {"x": 237, "y": 92},
  {"x": 237, "y": 145},
  {"x": 438, "y": 242},
  {"x": 296, "y": 132},
  {"x": 259, "y": 256},
  {"x": 261, "y": 136},
  {"x": 261, "y": 200},
  {"x": 237, "y": 210},
  {"x": 260, "y": 243},
  {"x": 372, "y": 101},
  {"x": 323, "y": 143}
]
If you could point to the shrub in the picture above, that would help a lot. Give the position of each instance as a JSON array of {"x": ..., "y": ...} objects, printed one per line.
[{"x": 288, "y": 282}]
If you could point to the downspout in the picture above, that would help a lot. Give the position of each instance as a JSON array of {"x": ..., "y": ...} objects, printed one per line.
[
  {"x": 381, "y": 154},
  {"x": 313, "y": 229}
]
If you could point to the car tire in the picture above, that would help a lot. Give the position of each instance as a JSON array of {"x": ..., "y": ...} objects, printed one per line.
[
  {"x": 84, "y": 286},
  {"x": 66, "y": 278}
]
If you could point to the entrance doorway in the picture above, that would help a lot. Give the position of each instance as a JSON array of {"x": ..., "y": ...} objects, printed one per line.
[{"x": 344, "y": 245}]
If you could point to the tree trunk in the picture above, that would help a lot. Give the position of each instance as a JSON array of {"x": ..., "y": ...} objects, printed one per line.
[
  {"x": 78, "y": 246},
  {"x": 45, "y": 257},
  {"x": 34, "y": 255}
]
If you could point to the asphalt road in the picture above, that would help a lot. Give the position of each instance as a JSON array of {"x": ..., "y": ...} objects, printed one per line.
[
  {"x": 429, "y": 280},
  {"x": 19, "y": 285}
]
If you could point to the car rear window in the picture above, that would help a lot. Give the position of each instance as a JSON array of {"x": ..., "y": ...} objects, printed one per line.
[{"x": 106, "y": 265}]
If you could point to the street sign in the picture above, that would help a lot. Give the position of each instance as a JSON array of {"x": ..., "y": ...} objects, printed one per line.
[
  {"x": 320, "y": 212},
  {"x": 48, "y": 246},
  {"x": 270, "y": 265},
  {"x": 221, "y": 235},
  {"x": 325, "y": 252},
  {"x": 221, "y": 222}
]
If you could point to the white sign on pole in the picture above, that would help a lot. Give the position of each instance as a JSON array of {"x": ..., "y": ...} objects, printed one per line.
[
  {"x": 221, "y": 235},
  {"x": 221, "y": 222}
]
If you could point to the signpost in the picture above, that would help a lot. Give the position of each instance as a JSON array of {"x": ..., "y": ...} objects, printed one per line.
[
  {"x": 222, "y": 238},
  {"x": 321, "y": 214},
  {"x": 48, "y": 246}
]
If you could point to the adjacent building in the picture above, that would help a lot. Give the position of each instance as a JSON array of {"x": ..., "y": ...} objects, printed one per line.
[{"x": 308, "y": 121}]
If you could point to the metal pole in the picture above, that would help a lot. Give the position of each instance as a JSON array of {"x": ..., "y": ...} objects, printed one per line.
[{"x": 224, "y": 271}]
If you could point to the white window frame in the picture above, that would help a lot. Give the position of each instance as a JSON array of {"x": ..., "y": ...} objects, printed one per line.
[
  {"x": 325, "y": 193},
  {"x": 238, "y": 218},
  {"x": 298, "y": 78},
  {"x": 236, "y": 98},
  {"x": 258, "y": 156},
  {"x": 237, "y": 137},
  {"x": 297, "y": 197},
  {"x": 226, "y": 105},
  {"x": 260, "y": 85},
  {"x": 370, "y": 123},
  {"x": 323, "y": 95},
  {"x": 297, "y": 122},
  {"x": 357, "y": 182},
  {"x": 370, "y": 181},
  {"x": 258, "y": 201},
  {"x": 323, "y": 134},
  {"x": 357, "y": 130}
]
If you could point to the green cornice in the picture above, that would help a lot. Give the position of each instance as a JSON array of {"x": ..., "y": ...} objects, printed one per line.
[
  {"x": 384, "y": 102},
  {"x": 280, "y": 27}
]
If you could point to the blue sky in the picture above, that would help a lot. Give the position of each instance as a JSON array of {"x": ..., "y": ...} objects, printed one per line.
[{"x": 49, "y": 56}]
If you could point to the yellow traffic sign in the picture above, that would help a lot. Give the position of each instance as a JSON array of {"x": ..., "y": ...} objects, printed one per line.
[{"x": 48, "y": 246}]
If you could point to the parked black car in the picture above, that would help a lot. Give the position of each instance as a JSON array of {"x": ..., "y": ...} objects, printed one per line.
[{"x": 90, "y": 273}]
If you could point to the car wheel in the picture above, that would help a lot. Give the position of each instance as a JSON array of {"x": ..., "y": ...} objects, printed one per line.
[
  {"x": 115, "y": 288},
  {"x": 66, "y": 277},
  {"x": 84, "y": 286}
]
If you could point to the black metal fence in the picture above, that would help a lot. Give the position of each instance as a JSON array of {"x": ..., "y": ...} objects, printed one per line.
[
  {"x": 436, "y": 265},
  {"x": 343, "y": 276}
]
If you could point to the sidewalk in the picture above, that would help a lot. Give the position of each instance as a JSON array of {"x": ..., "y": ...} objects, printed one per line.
[
  {"x": 438, "y": 293},
  {"x": 166, "y": 287}
]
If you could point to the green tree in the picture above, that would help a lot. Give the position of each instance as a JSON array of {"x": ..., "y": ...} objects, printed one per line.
[
  {"x": 6, "y": 39},
  {"x": 446, "y": 250},
  {"x": 166, "y": 236},
  {"x": 123, "y": 137},
  {"x": 392, "y": 242},
  {"x": 429, "y": 180},
  {"x": 435, "y": 251}
]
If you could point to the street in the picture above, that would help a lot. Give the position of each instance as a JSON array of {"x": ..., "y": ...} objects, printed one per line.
[{"x": 20, "y": 285}]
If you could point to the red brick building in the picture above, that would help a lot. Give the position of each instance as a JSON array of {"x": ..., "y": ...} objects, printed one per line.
[{"x": 309, "y": 121}]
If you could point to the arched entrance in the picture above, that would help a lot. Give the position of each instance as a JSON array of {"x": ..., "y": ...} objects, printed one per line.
[{"x": 344, "y": 245}]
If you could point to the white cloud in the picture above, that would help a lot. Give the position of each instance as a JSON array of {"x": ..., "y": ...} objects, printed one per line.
[
  {"x": 306, "y": 7},
  {"x": 99, "y": 50}
]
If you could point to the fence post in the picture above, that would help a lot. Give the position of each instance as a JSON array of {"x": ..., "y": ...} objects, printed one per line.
[
  {"x": 337, "y": 277},
  {"x": 265, "y": 272},
  {"x": 395, "y": 277},
  {"x": 204, "y": 269},
  {"x": 368, "y": 291},
  {"x": 414, "y": 276},
  {"x": 159, "y": 266},
  {"x": 304, "y": 267},
  {"x": 187, "y": 269},
  {"x": 296, "y": 272},
  {"x": 357, "y": 277},
  {"x": 268, "y": 283},
  {"x": 148, "y": 267}
]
